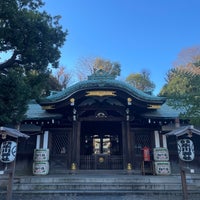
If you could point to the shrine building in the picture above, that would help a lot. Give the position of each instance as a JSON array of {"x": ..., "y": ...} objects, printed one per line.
[{"x": 98, "y": 124}]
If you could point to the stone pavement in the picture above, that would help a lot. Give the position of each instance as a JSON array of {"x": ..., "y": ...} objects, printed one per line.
[{"x": 100, "y": 197}]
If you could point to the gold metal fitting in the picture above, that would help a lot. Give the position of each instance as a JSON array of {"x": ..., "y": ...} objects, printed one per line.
[
  {"x": 72, "y": 101},
  {"x": 73, "y": 166},
  {"x": 3, "y": 135},
  {"x": 129, "y": 166}
]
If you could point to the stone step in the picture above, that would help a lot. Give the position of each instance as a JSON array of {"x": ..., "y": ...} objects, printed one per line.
[
  {"x": 97, "y": 186},
  {"x": 102, "y": 178},
  {"x": 107, "y": 183},
  {"x": 64, "y": 186}
]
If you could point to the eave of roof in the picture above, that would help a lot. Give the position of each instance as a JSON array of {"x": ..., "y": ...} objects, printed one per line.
[
  {"x": 165, "y": 111},
  {"x": 101, "y": 84},
  {"x": 184, "y": 130},
  {"x": 35, "y": 112},
  {"x": 13, "y": 132}
]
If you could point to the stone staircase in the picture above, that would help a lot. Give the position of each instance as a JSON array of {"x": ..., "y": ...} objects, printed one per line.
[{"x": 101, "y": 183}]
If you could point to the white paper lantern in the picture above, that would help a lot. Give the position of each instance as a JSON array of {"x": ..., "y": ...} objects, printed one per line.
[
  {"x": 185, "y": 149},
  {"x": 8, "y": 151}
]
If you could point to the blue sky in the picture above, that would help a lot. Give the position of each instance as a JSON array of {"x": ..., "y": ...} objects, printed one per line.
[{"x": 139, "y": 34}]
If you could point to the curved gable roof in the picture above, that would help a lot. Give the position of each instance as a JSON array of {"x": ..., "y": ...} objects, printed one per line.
[
  {"x": 100, "y": 81},
  {"x": 102, "y": 85}
]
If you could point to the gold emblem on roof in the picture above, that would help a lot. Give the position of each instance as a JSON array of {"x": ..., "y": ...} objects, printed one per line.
[
  {"x": 49, "y": 107},
  {"x": 101, "y": 93},
  {"x": 154, "y": 106}
]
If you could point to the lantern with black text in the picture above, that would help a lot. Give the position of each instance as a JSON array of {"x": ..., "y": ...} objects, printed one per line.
[
  {"x": 8, "y": 151},
  {"x": 185, "y": 149}
]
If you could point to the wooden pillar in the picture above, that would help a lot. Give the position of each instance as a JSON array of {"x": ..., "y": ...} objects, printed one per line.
[
  {"x": 129, "y": 155},
  {"x": 11, "y": 178},
  {"x": 78, "y": 144},
  {"x": 124, "y": 145},
  {"x": 45, "y": 140},
  {"x": 177, "y": 123},
  {"x": 38, "y": 141},
  {"x": 157, "y": 139},
  {"x": 73, "y": 150},
  {"x": 184, "y": 184},
  {"x": 164, "y": 139},
  {"x": 127, "y": 146},
  {"x": 75, "y": 155}
]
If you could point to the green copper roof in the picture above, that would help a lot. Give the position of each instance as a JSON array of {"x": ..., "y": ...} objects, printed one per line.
[
  {"x": 165, "y": 111},
  {"x": 35, "y": 112},
  {"x": 101, "y": 82}
]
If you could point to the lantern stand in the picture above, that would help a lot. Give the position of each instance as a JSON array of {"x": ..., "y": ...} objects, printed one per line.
[
  {"x": 4, "y": 131},
  {"x": 188, "y": 130},
  {"x": 11, "y": 173},
  {"x": 183, "y": 173},
  {"x": 183, "y": 180}
]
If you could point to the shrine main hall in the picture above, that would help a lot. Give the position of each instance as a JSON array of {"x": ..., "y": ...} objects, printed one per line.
[{"x": 98, "y": 124}]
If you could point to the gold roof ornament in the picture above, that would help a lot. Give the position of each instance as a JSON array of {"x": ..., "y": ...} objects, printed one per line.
[
  {"x": 154, "y": 106},
  {"x": 72, "y": 101},
  {"x": 101, "y": 67},
  {"x": 129, "y": 101},
  {"x": 101, "y": 93},
  {"x": 49, "y": 107}
]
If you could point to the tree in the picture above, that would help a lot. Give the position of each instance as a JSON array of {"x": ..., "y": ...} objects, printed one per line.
[
  {"x": 186, "y": 56},
  {"x": 63, "y": 77},
  {"x": 192, "y": 68},
  {"x": 89, "y": 65},
  {"x": 39, "y": 83},
  {"x": 113, "y": 68},
  {"x": 188, "y": 60},
  {"x": 14, "y": 96},
  {"x": 85, "y": 67},
  {"x": 141, "y": 81},
  {"x": 182, "y": 89},
  {"x": 31, "y": 39},
  {"x": 42, "y": 84}
]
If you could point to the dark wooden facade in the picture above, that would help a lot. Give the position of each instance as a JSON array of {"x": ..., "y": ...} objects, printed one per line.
[{"x": 96, "y": 124}]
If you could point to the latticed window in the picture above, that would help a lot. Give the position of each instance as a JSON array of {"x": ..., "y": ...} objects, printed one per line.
[
  {"x": 142, "y": 140},
  {"x": 60, "y": 143},
  {"x": 60, "y": 150}
]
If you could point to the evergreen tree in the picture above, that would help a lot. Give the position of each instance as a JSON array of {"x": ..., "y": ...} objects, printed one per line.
[
  {"x": 31, "y": 40},
  {"x": 183, "y": 91}
]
